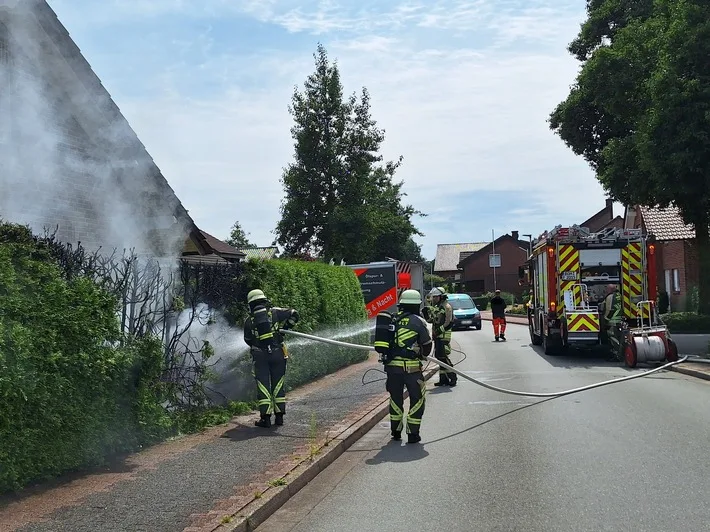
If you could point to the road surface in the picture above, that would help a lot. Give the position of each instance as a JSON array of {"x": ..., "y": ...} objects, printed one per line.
[{"x": 631, "y": 456}]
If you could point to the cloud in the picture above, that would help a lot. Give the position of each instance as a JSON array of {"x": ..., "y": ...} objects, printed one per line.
[{"x": 463, "y": 90}]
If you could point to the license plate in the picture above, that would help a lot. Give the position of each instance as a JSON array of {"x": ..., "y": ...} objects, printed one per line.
[{"x": 466, "y": 322}]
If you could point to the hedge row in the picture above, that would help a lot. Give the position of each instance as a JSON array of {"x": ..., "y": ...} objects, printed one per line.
[
  {"x": 687, "y": 323},
  {"x": 75, "y": 392}
]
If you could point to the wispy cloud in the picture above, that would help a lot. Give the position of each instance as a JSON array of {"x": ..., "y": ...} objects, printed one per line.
[{"x": 463, "y": 90}]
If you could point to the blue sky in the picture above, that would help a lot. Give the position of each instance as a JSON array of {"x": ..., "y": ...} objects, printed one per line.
[{"x": 462, "y": 88}]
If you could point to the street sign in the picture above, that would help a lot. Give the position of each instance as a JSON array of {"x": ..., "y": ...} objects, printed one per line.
[{"x": 494, "y": 260}]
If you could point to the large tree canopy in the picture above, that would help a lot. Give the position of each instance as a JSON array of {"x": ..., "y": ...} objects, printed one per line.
[
  {"x": 341, "y": 200},
  {"x": 639, "y": 111}
]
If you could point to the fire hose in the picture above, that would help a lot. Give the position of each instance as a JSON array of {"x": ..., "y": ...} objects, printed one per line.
[{"x": 489, "y": 386}]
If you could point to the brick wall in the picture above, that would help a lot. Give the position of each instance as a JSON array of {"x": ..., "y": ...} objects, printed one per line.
[{"x": 673, "y": 258}]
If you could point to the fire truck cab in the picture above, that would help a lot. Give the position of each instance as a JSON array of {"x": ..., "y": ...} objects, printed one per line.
[{"x": 570, "y": 273}]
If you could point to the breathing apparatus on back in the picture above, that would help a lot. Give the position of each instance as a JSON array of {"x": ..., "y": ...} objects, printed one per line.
[
  {"x": 386, "y": 324},
  {"x": 260, "y": 308}
]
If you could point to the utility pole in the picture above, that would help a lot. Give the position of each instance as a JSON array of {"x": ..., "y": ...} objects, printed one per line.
[
  {"x": 530, "y": 247},
  {"x": 493, "y": 241}
]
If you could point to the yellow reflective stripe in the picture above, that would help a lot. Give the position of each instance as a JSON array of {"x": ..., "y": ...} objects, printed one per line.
[
  {"x": 404, "y": 363},
  {"x": 381, "y": 344},
  {"x": 267, "y": 335}
]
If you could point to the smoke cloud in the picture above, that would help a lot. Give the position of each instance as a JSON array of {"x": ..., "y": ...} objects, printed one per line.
[{"x": 67, "y": 156}]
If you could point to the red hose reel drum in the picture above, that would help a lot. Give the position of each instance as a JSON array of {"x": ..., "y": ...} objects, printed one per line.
[{"x": 404, "y": 281}]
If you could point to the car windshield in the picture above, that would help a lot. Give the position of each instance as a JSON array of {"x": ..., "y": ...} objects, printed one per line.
[{"x": 462, "y": 304}]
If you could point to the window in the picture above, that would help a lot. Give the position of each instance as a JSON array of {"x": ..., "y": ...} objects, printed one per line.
[{"x": 676, "y": 281}]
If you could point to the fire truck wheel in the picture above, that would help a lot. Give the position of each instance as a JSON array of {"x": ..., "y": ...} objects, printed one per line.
[
  {"x": 534, "y": 338},
  {"x": 672, "y": 353},
  {"x": 630, "y": 356},
  {"x": 551, "y": 347}
]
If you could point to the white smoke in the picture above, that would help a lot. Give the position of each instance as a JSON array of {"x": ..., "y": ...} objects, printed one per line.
[{"x": 67, "y": 157}]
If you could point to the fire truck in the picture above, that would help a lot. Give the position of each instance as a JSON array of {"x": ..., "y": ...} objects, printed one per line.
[{"x": 571, "y": 270}]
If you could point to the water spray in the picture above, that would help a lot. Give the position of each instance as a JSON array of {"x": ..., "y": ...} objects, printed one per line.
[{"x": 496, "y": 388}]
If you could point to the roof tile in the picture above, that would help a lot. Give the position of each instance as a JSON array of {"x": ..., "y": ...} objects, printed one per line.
[
  {"x": 666, "y": 224},
  {"x": 449, "y": 255}
]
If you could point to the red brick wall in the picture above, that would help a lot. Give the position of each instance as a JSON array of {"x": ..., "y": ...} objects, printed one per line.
[
  {"x": 673, "y": 258},
  {"x": 512, "y": 257}
]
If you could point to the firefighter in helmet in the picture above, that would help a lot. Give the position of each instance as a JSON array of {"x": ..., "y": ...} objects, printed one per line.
[
  {"x": 411, "y": 344},
  {"x": 441, "y": 316},
  {"x": 612, "y": 319},
  {"x": 262, "y": 332}
]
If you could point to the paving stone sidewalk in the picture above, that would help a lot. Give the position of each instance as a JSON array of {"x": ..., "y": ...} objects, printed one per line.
[{"x": 174, "y": 486}]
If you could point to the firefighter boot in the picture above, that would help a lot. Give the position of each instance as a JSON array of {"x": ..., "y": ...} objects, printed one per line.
[
  {"x": 264, "y": 422},
  {"x": 413, "y": 438},
  {"x": 497, "y": 338},
  {"x": 502, "y": 336},
  {"x": 279, "y": 419},
  {"x": 443, "y": 381},
  {"x": 396, "y": 435}
]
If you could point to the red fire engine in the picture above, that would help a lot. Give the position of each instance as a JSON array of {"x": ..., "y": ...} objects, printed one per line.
[{"x": 569, "y": 274}]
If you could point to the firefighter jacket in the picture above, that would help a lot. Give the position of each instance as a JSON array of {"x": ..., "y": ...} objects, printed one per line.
[
  {"x": 442, "y": 320},
  {"x": 612, "y": 306},
  {"x": 412, "y": 341},
  {"x": 262, "y": 329}
]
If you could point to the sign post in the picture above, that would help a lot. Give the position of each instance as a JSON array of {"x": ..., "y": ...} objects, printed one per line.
[{"x": 494, "y": 260}]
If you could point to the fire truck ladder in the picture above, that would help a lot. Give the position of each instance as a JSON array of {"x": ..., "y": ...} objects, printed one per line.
[{"x": 582, "y": 320}]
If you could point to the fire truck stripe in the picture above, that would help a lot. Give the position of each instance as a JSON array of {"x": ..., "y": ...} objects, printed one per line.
[
  {"x": 583, "y": 322},
  {"x": 569, "y": 262},
  {"x": 632, "y": 277}
]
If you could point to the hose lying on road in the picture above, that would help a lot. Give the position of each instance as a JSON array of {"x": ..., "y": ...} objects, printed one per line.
[{"x": 489, "y": 386}]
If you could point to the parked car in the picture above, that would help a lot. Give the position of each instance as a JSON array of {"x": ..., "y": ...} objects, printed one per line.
[{"x": 466, "y": 314}]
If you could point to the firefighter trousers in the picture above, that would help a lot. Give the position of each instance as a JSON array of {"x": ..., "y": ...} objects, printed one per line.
[
  {"x": 399, "y": 378},
  {"x": 269, "y": 370},
  {"x": 499, "y": 327},
  {"x": 442, "y": 350}
]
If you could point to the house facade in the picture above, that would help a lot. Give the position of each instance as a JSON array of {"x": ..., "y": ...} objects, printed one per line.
[
  {"x": 70, "y": 160},
  {"x": 478, "y": 276},
  {"x": 677, "y": 264},
  {"x": 448, "y": 256}
]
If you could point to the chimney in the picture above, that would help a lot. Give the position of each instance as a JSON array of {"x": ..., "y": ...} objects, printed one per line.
[
  {"x": 610, "y": 204},
  {"x": 515, "y": 235}
]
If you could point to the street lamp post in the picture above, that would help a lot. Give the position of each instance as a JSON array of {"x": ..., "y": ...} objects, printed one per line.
[{"x": 530, "y": 248}]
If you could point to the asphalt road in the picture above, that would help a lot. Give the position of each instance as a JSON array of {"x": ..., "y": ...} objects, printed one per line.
[{"x": 630, "y": 456}]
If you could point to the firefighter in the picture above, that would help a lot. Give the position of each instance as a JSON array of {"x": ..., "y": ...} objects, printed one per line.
[
  {"x": 412, "y": 343},
  {"x": 441, "y": 316},
  {"x": 262, "y": 334},
  {"x": 612, "y": 319},
  {"x": 498, "y": 311}
]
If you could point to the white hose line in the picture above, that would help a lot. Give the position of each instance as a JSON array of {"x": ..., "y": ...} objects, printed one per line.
[{"x": 489, "y": 386}]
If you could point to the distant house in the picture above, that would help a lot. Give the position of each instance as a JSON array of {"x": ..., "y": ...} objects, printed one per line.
[
  {"x": 677, "y": 259},
  {"x": 216, "y": 251},
  {"x": 448, "y": 256},
  {"x": 604, "y": 219},
  {"x": 478, "y": 276},
  {"x": 69, "y": 158}
]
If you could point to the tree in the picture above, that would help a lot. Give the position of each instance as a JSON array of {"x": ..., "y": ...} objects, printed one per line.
[
  {"x": 238, "y": 238},
  {"x": 639, "y": 111},
  {"x": 340, "y": 201}
]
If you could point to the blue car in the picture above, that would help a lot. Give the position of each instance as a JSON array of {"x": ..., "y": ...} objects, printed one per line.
[{"x": 466, "y": 314}]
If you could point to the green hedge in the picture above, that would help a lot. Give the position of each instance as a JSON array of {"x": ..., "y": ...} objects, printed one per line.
[
  {"x": 687, "y": 323},
  {"x": 68, "y": 397},
  {"x": 481, "y": 302},
  {"x": 330, "y": 303}
]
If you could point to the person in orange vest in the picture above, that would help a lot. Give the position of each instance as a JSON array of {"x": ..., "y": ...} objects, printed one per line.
[{"x": 498, "y": 311}]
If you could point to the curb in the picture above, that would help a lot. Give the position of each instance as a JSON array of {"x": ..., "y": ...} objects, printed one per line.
[
  {"x": 508, "y": 321},
  {"x": 254, "y": 513},
  {"x": 691, "y": 372}
]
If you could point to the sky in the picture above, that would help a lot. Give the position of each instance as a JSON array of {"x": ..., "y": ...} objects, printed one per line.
[{"x": 463, "y": 90}]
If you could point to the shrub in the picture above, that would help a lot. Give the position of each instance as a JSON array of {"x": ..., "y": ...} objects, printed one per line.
[
  {"x": 329, "y": 301},
  {"x": 687, "y": 323},
  {"x": 507, "y": 297},
  {"x": 518, "y": 310},
  {"x": 692, "y": 300},
  {"x": 72, "y": 396},
  {"x": 481, "y": 302}
]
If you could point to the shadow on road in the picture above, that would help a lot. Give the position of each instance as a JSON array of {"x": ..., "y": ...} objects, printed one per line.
[{"x": 395, "y": 451}]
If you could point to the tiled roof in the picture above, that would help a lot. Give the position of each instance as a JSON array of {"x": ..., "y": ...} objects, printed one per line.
[
  {"x": 260, "y": 253},
  {"x": 449, "y": 255},
  {"x": 219, "y": 247},
  {"x": 666, "y": 224}
]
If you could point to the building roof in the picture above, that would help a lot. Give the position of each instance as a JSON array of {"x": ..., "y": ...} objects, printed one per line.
[
  {"x": 522, "y": 244},
  {"x": 600, "y": 219},
  {"x": 220, "y": 247},
  {"x": 81, "y": 93},
  {"x": 666, "y": 224},
  {"x": 449, "y": 255},
  {"x": 260, "y": 253}
]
